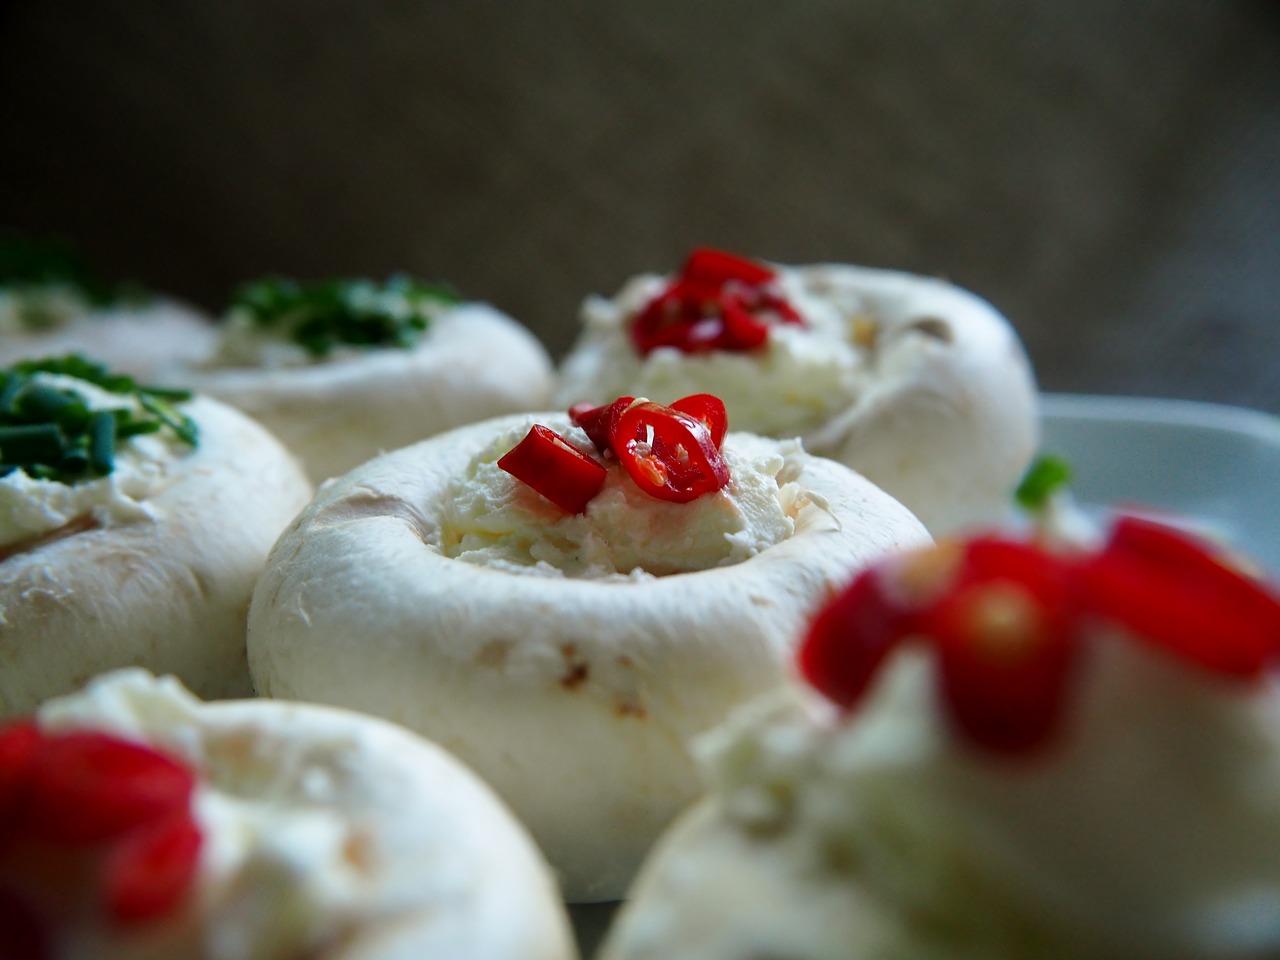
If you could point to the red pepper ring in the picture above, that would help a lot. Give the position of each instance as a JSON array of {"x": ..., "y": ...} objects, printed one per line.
[
  {"x": 709, "y": 269},
  {"x": 85, "y": 787},
  {"x": 600, "y": 422},
  {"x": 850, "y": 637},
  {"x": 709, "y": 410},
  {"x": 22, "y": 935},
  {"x": 718, "y": 301},
  {"x": 670, "y": 455},
  {"x": 1178, "y": 594},
  {"x": 555, "y": 468},
  {"x": 149, "y": 871}
]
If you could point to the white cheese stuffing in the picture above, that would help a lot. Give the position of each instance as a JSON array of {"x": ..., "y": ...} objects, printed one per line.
[
  {"x": 803, "y": 376},
  {"x": 1153, "y": 831},
  {"x": 495, "y": 520},
  {"x": 31, "y": 508},
  {"x": 277, "y": 878}
]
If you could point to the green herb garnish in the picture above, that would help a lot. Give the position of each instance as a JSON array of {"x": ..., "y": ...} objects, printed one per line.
[
  {"x": 1049, "y": 472},
  {"x": 321, "y": 315},
  {"x": 52, "y": 433},
  {"x": 32, "y": 267}
]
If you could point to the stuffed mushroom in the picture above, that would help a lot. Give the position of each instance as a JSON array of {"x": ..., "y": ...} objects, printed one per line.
[
  {"x": 564, "y": 600},
  {"x": 133, "y": 526},
  {"x": 913, "y": 382}
]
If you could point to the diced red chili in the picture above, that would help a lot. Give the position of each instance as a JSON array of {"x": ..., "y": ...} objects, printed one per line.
[
  {"x": 555, "y": 468},
  {"x": 708, "y": 269},
  {"x": 1007, "y": 646},
  {"x": 22, "y": 935},
  {"x": 850, "y": 638},
  {"x": 670, "y": 455},
  {"x": 709, "y": 410},
  {"x": 718, "y": 301},
  {"x": 600, "y": 422},
  {"x": 1177, "y": 593},
  {"x": 18, "y": 744},
  {"x": 86, "y": 786},
  {"x": 150, "y": 871}
]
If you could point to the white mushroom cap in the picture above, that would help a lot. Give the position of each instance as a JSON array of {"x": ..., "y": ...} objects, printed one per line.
[
  {"x": 140, "y": 340},
  {"x": 167, "y": 588},
  {"x": 574, "y": 698},
  {"x": 411, "y": 855},
  {"x": 473, "y": 362},
  {"x": 946, "y": 420},
  {"x": 917, "y": 384}
]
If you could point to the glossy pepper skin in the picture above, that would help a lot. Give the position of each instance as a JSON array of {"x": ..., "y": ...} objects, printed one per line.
[
  {"x": 554, "y": 467},
  {"x": 669, "y": 454}
]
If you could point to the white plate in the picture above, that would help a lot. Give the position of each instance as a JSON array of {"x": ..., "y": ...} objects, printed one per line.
[
  {"x": 1218, "y": 466},
  {"x": 1213, "y": 465}
]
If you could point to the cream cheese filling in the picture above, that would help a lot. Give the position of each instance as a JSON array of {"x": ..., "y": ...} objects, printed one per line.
[
  {"x": 1154, "y": 831},
  {"x": 493, "y": 519},
  {"x": 31, "y": 508},
  {"x": 281, "y": 870},
  {"x": 802, "y": 377}
]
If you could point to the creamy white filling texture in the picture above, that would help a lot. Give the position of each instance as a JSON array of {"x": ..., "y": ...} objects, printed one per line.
[
  {"x": 802, "y": 377},
  {"x": 1153, "y": 830},
  {"x": 32, "y": 508},
  {"x": 496, "y": 520},
  {"x": 277, "y": 875}
]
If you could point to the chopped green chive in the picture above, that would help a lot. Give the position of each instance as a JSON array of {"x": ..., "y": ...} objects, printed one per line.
[
  {"x": 51, "y": 432},
  {"x": 31, "y": 443},
  {"x": 102, "y": 442},
  {"x": 179, "y": 423},
  {"x": 323, "y": 315},
  {"x": 28, "y": 263},
  {"x": 1048, "y": 473}
]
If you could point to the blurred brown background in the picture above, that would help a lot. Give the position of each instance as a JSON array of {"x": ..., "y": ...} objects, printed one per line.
[{"x": 1106, "y": 173}]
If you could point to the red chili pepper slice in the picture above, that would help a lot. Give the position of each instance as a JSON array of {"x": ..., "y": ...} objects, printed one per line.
[
  {"x": 86, "y": 786},
  {"x": 18, "y": 744},
  {"x": 600, "y": 422},
  {"x": 1000, "y": 617},
  {"x": 741, "y": 328},
  {"x": 1007, "y": 645},
  {"x": 555, "y": 468},
  {"x": 718, "y": 301},
  {"x": 710, "y": 269},
  {"x": 669, "y": 454},
  {"x": 1177, "y": 593},
  {"x": 22, "y": 936},
  {"x": 149, "y": 872},
  {"x": 708, "y": 409},
  {"x": 850, "y": 637}
]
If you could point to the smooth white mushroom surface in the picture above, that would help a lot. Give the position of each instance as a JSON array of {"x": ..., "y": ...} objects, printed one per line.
[
  {"x": 917, "y": 384},
  {"x": 426, "y": 588},
  {"x": 326, "y": 834},
  {"x": 472, "y": 362},
  {"x": 153, "y": 564},
  {"x": 142, "y": 340}
]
